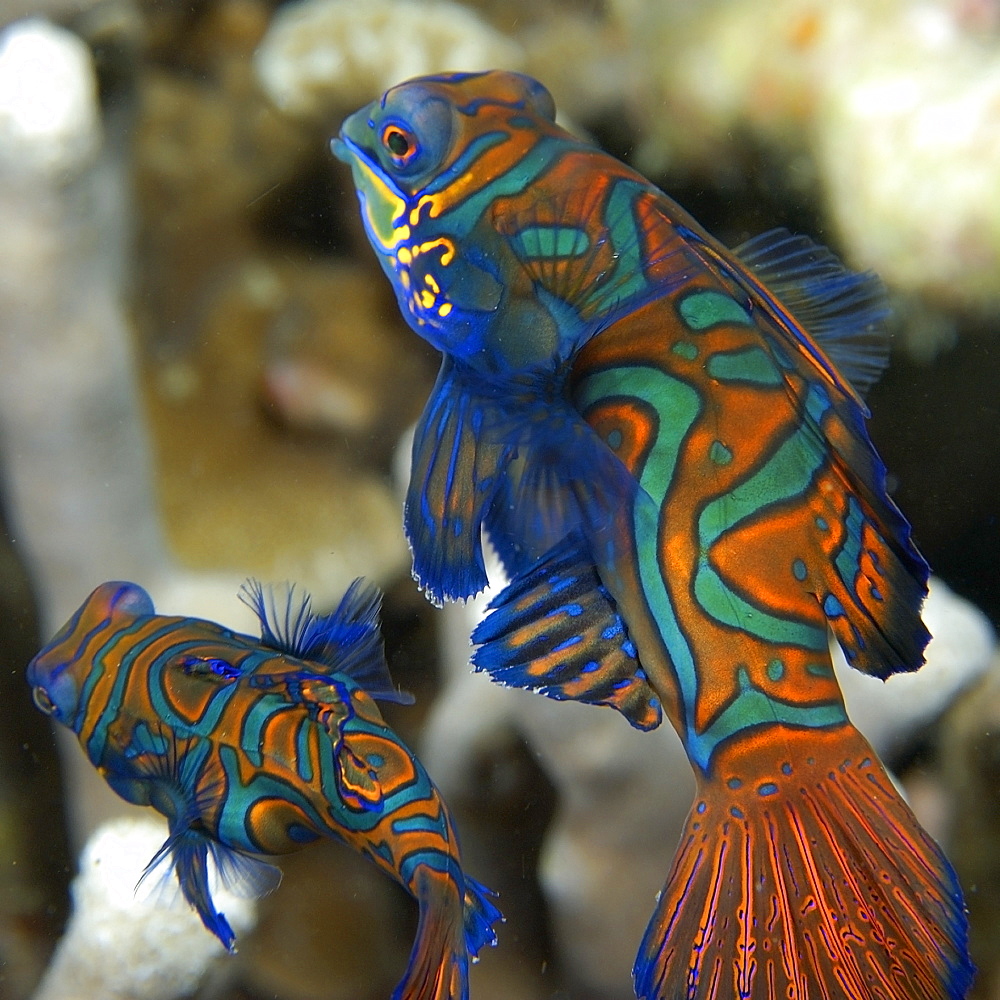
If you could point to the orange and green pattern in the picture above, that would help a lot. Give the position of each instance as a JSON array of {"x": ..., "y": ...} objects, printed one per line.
[
  {"x": 665, "y": 442},
  {"x": 258, "y": 746}
]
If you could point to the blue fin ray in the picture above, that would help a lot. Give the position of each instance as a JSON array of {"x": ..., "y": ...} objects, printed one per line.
[
  {"x": 842, "y": 309},
  {"x": 480, "y": 915},
  {"x": 556, "y": 630},
  {"x": 186, "y": 852},
  {"x": 348, "y": 640},
  {"x": 452, "y": 483}
]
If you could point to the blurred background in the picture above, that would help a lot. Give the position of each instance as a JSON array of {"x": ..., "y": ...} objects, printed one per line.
[{"x": 204, "y": 376}]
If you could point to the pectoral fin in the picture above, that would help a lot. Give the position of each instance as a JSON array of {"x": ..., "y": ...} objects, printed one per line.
[{"x": 556, "y": 630}]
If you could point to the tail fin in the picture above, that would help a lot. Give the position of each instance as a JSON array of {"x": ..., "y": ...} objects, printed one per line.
[
  {"x": 813, "y": 880},
  {"x": 450, "y": 932}
]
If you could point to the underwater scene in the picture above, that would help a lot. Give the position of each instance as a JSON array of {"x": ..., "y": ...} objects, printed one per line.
[{"x": 500, "y": 500}]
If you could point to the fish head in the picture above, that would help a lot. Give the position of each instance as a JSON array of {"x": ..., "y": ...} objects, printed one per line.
[
  {"x": 429, "y": 160},
  {"x": 58, "y": 672}
]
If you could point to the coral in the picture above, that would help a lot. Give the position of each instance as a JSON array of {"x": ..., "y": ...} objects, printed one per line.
[
  {"x": 894, "y": 105},
  {"x": 48, "y": 109},
  {"x": 320, "y": 54},
  {"x": 124, "y": 942}
]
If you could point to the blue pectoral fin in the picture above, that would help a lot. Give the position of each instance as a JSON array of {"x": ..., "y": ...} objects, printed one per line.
[
  {"x": 452, "y": 483},
  {"x": 563, "y": 480},
  {"x": 187, "y": 854},
  {"x": 556, "y": 630}
]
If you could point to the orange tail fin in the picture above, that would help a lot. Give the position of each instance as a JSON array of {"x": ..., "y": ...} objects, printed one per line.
[
  {"x": 450, "y": 931},
  {"x": 812, "y": 880}
]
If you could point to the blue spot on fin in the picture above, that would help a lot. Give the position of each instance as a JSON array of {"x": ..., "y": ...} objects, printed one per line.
[
  {"x": 843, "y": 310},
  {"x": 346, "y": 641},
  {"x": 557, "y": 630}
]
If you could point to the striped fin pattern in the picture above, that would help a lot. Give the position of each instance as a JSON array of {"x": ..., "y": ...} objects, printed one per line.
[
  {"x": 556, "y": 630},
  {"x": 811, "y": 881}
]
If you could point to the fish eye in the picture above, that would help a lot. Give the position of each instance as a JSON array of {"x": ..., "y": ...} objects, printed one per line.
[
  {"x": 399, "y": 142},
  {"x": 42, "y": 700}
]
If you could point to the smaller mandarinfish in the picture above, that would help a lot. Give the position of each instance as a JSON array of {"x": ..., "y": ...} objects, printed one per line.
[{"x": 258, "y": 746}]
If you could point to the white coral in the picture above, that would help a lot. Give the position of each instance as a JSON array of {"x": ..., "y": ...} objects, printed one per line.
[
  {"x": 121, "y": 944},
  {"x": 320, "y": 54}
]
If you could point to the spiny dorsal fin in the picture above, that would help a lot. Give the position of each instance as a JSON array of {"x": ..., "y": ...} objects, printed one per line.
[
  {"x": 347, "y": 641},
  {"x": 842, "y": 309}
]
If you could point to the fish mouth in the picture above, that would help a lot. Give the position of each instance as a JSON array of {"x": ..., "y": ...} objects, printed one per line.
[{"x": 342, "y": 149}]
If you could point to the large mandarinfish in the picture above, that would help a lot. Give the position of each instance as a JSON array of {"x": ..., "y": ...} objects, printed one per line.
[
  {"x": 665, "y": 442},
  {"x": 258, "y": 746}
]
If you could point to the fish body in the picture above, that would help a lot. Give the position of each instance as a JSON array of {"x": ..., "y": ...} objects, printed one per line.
[
  {"x": 258, "y": 746},
  {"x": 665, "y": 442}
]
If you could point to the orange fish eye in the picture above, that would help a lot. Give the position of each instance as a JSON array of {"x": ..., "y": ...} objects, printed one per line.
[
  {"x": 399, "y": 143},
  {"x": 42, "y": 700}
]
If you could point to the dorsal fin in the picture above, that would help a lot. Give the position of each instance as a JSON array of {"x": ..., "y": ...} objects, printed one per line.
[
  {"x": 347, "y": 641},
  {"x": 842, "y": 309}
]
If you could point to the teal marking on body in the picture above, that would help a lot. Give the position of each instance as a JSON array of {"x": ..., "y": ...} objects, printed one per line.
[
  {"x": 460, "y": 220},
  {"x": 552, "y": 241},
  {"x": 848, "y": 559},
  {"x": 109, "y": 710},
  {"x": 819, "y": 669},
  {"x": 799, "y": 570},
  {"x": 677, "y": 405},
  {"x": 719, "y": 453},
  {"x": 626, "y": 279},
  {"x": 751, "y": 364},
  {"x": 752, "y": 707},
  {"x": 240, "y": 797},
  {"x": 726, "y": 606},
  {"x": 303, "y": 762},
  {"x": 418, "y": 823},
  {"x": 252, "y": 736},
  {"x": 614, "y": 439},
  {"x": 685, "y": 349},
  {"x": 776, "y": 669},
  {"x": 734, "y": 783},
  {"x": 821, "y": 523},
  {"x": 703, "y": 309},
  {"x": 768, "y": 788},
  {"x": 786, "y": 475}
]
